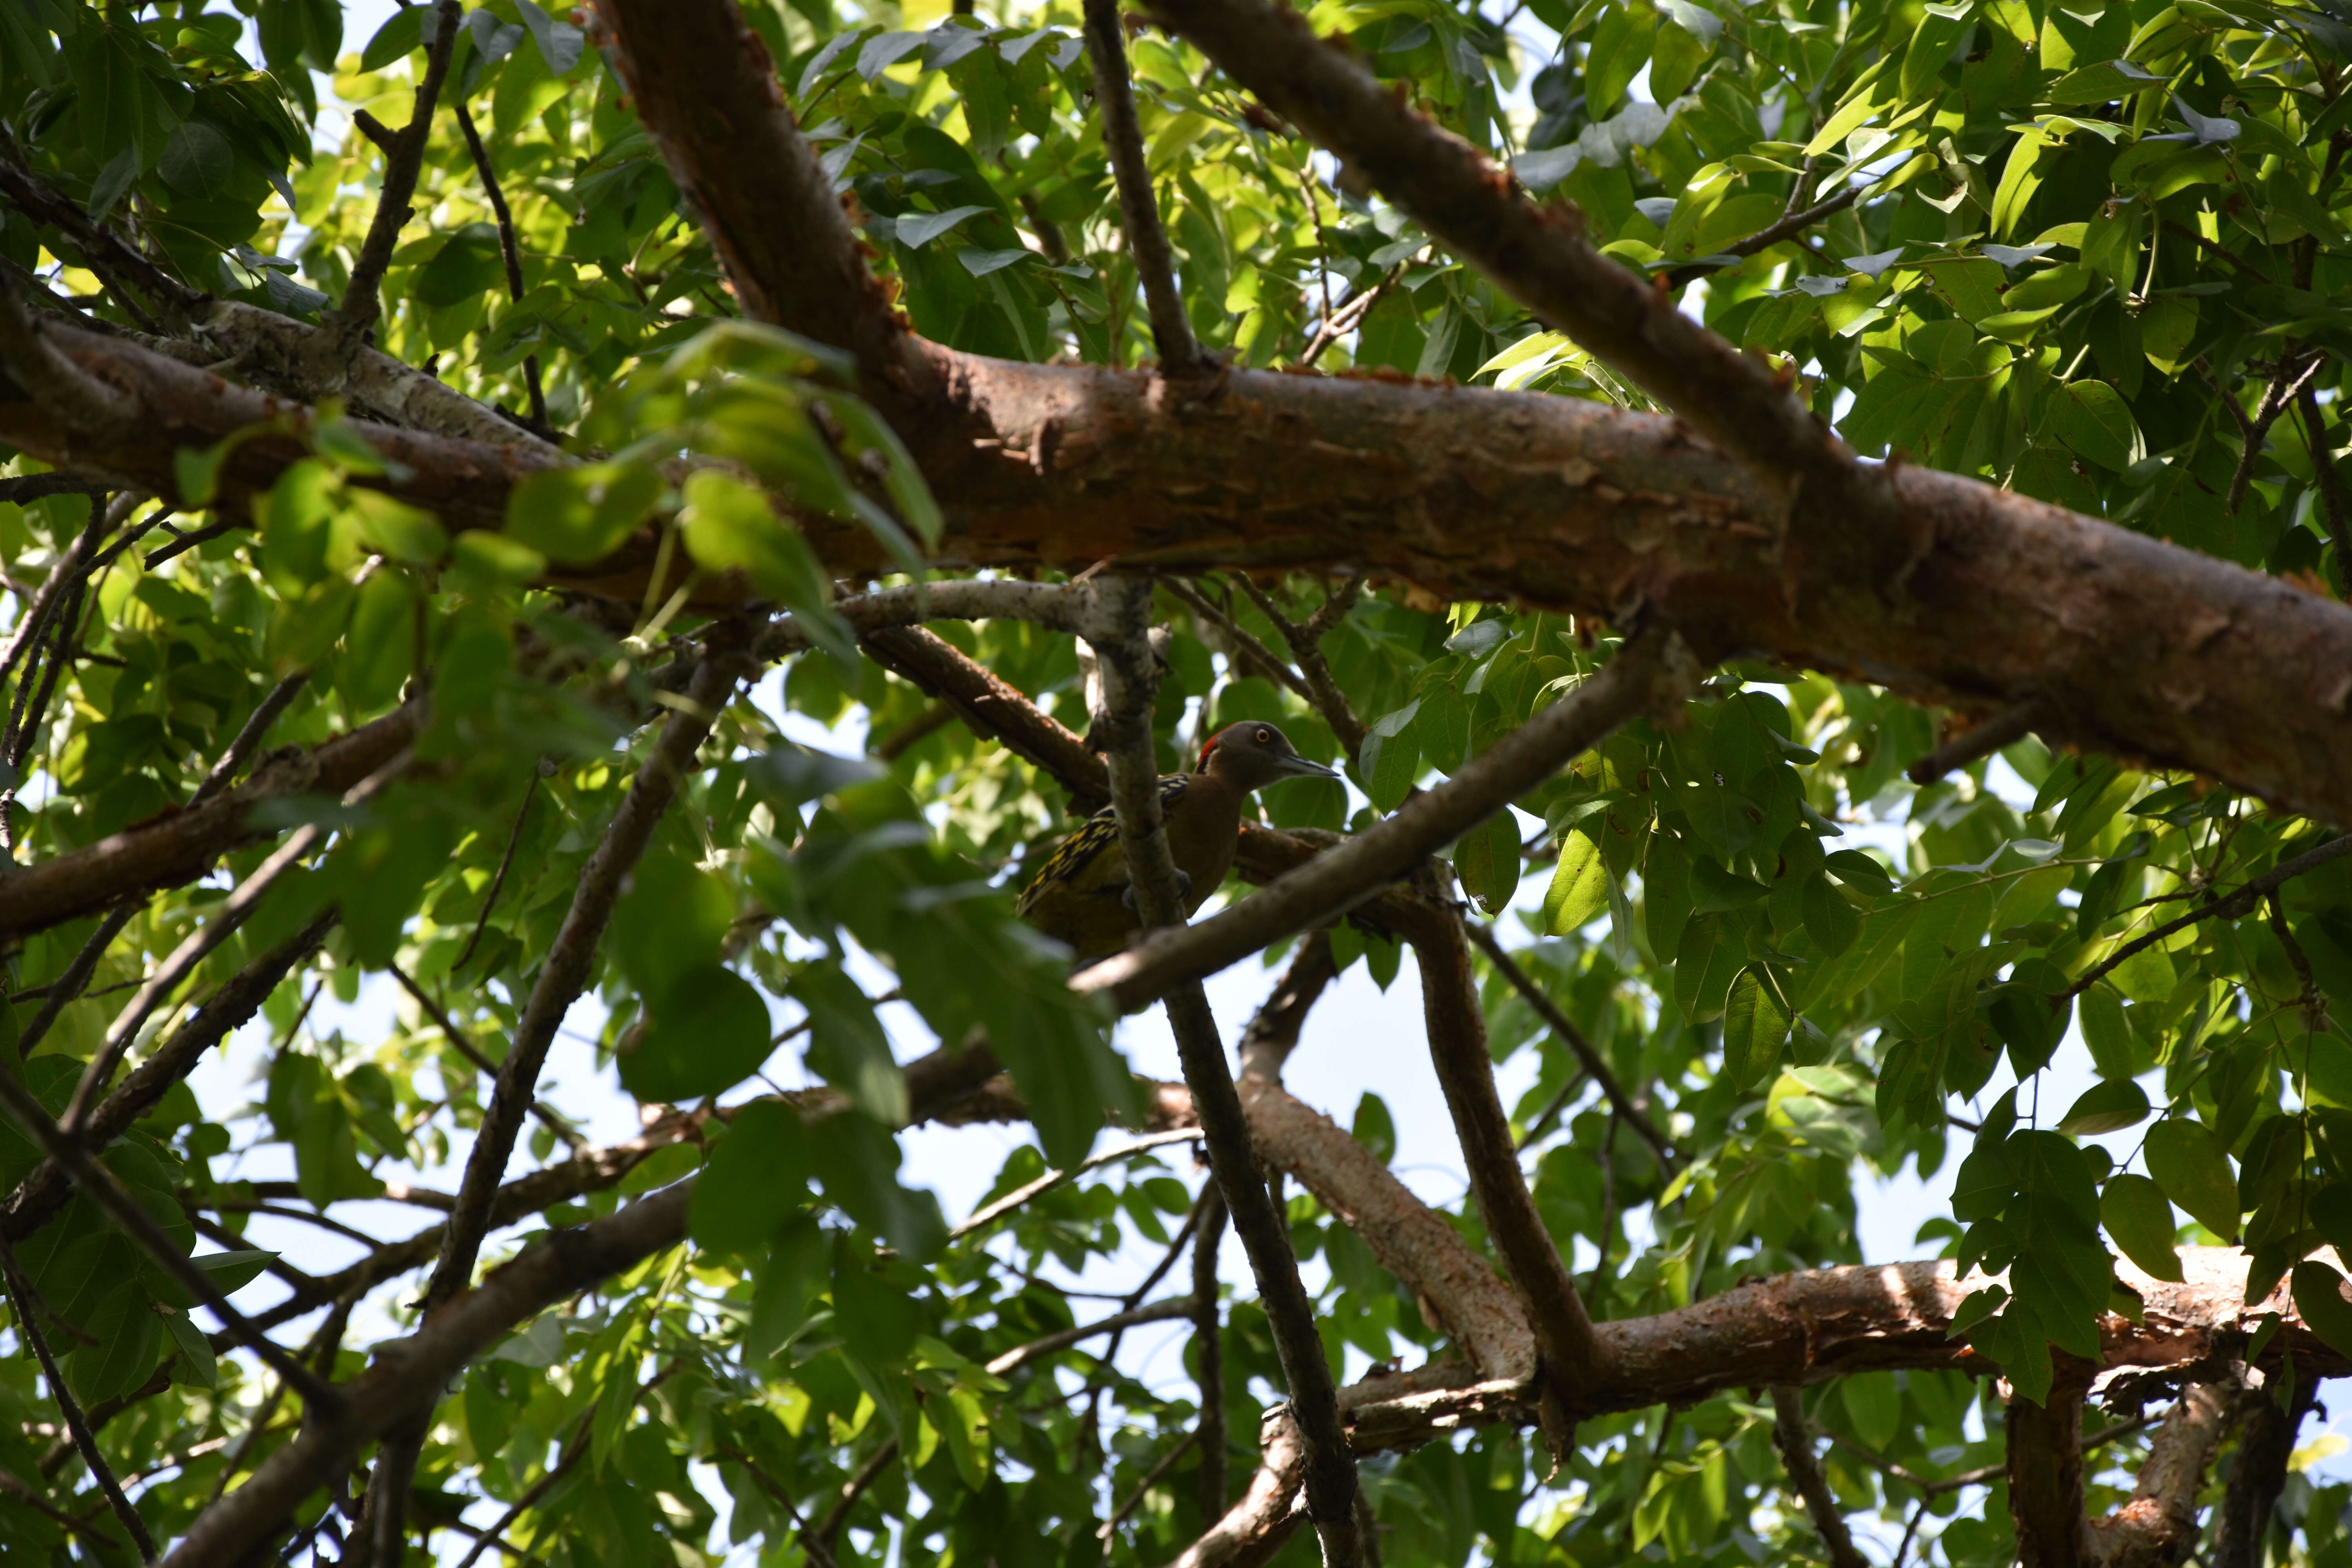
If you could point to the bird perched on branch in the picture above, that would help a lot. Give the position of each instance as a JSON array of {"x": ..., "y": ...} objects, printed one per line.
[{"x": 1082, "y": 894}]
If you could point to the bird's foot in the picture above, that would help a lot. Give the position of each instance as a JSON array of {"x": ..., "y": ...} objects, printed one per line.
[{"x": 1184, "y": 890}]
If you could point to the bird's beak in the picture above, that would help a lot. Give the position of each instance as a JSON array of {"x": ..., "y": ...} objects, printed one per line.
[{"x": 1299, "y": 767}]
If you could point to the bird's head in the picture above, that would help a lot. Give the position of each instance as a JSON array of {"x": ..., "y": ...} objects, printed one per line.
[{"x": 1253, "y": 753}]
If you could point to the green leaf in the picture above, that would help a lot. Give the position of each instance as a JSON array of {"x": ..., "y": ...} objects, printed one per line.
[
  {"x": 197, "y": 159},
  {"x": 707, "y": 1033},
  {"x": 579, "y": 515},
  {"x": 2108, "y": 1107},
  {"x": 2189, "y": 1163},
  {"x": 1829, "y": 921},
  {"x": 847, "y": 1044},
  {"x": 1487, "y": 862},
  {"x": 729, "y": 527},
  {"x": 466, "y": 266},
  {"x": 382, "y": 653},
  {"x": 757, "y": 1178},
  {"x": 2137, "y": 1215},
  {"x": 1710, "y": 957},
  {"x": 2319, "y": 1301},
  {"x": 1755, "y": 1026},
  {"x": 857, "y": 1162},
  {"x": 2092, "y": 418},
  {"x": 1580, "y": 885}
]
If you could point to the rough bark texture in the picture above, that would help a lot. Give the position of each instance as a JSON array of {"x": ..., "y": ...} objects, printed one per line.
[
  {"x": 2157, "y": 1527},
  {"x": 2045, "y": 1472}
]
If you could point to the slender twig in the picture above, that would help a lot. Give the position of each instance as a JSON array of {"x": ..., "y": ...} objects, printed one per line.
[
  {"x": 1793, "y": 1436},
  {"x": 934, "y": 718},
  {"x": 1587, "y": 1057},
  {"x": 1787, "y": 226},
  {"x": 1604, "y": 1235},
  {"x": 510, "y": 249},
  {"x": 265, "y": 712},
  {"x": 829, "y": 1532},
  {"x": 105, "y": 252},
  {"x": 63, "y": 577},
  {"x": 1987, "y": 737},
  {"x": 775, "y": 1488},
  {"x": 545, "y": 768},
  {"x": 2286, "y": 383},
  {"x": 24, "y": 1492},
  {"x": 20, "y": 1294},
  {"x": 548, "y": 1115},
  {"x": 2183, "y": 231},
  {"x": 1306, "y": 647},
  {"x": 107, "y": 1191},
  {"x": 1147, "y": 240},
  {"x": 575, "y": 1451},
  {"x": 1151, "y": 1478},
  {"x": 1540, "y": 1122},
  {"x": 1339, "y": 323},
  {"x": 571, "y": 959},
  {"x": 403, "y": 161},
  {"x": 44, "y": 1191},
  {"x": 1208, "y": 1350},
  {"x": 2330, "y": 485},
  {"x": 1119, "y": 633},
  {"x": 1063, "y": 1339},
  {"x": 1246, "y": 646},
  {"x": 2228, "y": 907},
  {"x": 1045, "y": 1183}
]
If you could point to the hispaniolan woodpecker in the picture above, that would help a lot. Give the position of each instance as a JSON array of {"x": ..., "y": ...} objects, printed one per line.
[{"x": 1081, "y": 893}]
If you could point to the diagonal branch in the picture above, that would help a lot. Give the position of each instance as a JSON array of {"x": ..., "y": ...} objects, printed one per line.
[
  {"x": 2266, "y": 1435},
  {"x": 2157, "y": 1526},
  {"x": 1649, "y": 671},
  {"x": 701, "y": 81},
  {"x": 1540, "y": 257},
  {"x": 1570, "y": 1365},
  {"x": 1146, "y": 238},
  {"x": 571, "y": 959},
  {"x": 1794, "y": 1439},
  {"x": 2229, "y": 907},
  {"x": 1306, "y": 646},
  {"x": 1208, "y": 1350},
  {"x": 45, "y": 1189},
  {"x": 1120, "y": 638},
  {"x": 1788, "y": 226},
  {"x": 349, "y": 323}
]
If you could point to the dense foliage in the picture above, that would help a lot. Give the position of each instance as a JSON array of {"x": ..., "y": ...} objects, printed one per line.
[{"x": 2093, "y": 253}]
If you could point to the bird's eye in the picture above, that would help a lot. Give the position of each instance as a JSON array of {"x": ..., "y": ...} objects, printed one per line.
[{"x": 1266, "y": 737}]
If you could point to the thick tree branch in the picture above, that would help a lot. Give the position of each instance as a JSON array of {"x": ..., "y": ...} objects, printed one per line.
[
  {"x": 1792, "y": 1434},
  {"x": 1571, "y": 1366},
  {"x": 1119, "y": 633},
  {"x": 2157, "y": 1526},
  {"x": 1650, "y": 669},
  {"x": 2146, "y": 650},
  {"x": 1138, "y": 208},
  {"x": 2046, "y": 1470},
  {"x": 2266, "y": 1436},
  {"x": 701, "y": 81},
  {"x": 1837, "y": 508}
]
